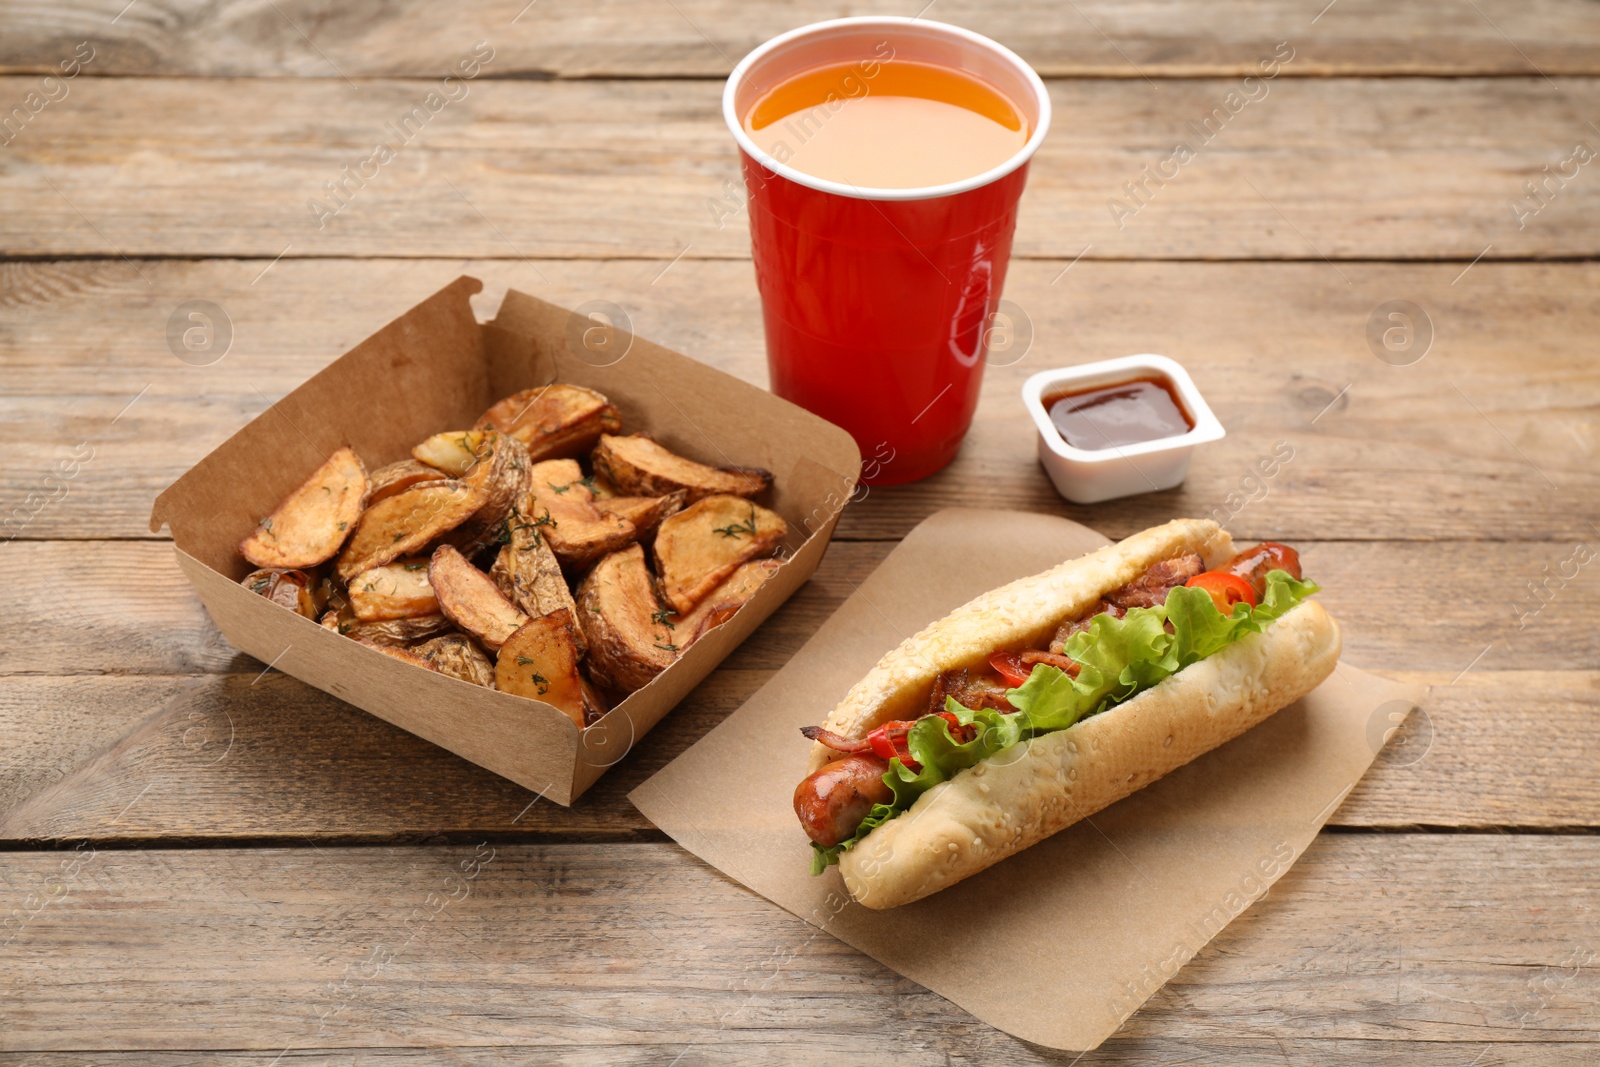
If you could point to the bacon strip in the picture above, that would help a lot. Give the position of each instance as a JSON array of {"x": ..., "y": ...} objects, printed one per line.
[
  {"x": 1054, "y": 659},
  {"x": 1148, "y": 590},
  {"x": 1064, "y": 632},
  {"x": 836, "y": 742},
  {"x": 968, "y": 691}
]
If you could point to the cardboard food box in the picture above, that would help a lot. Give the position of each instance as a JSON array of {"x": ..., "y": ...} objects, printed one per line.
[{"x": 434, "y": 369}]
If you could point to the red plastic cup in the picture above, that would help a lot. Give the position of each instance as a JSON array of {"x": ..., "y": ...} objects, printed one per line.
[{"x": 877, "y": 302}]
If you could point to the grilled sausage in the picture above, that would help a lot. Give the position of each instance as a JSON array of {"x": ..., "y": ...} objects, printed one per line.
[
  {"x": 833, "y": 801},
  {"x": 1253, "y": 564}
]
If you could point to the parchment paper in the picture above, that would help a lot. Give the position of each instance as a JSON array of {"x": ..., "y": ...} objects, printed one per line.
[{"x": 1078, "y": 931}]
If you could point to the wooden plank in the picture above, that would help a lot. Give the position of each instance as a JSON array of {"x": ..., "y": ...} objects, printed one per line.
[
  {"x": 560, "y": 947},
  {"x": 935, "y": 1048},
  {"x": 703, "y": 38},
  {"x": 1444, "y": 448},
  {"x": 195, "y": 733},
  {"x": 123, "y": 607},
  {"x": 597, "y": 169},
  {"x": 166, "y": 759}
]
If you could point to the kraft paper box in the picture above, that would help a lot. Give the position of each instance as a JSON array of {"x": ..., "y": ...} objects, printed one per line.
[
  {"x": 434, "y": 369},
  {"x": 1058, "y": 944}
]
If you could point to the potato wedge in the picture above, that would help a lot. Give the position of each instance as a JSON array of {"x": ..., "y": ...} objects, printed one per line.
[
  {"x": 528, "y": 574},
  {"x": 404, "y": 655},
  {"x": 468, "y": 598},
  {"x": 397, "y": 590},
  {"x": 595, "y": 703},
  {"x": 555, "y": 421},
  {"x": 405, "y": 523},
  {"x": 293, "y": 589},
  {"x": 562, "y": 507},
  {"x": 315, "y": 519},
  {"x": 500, "y": 474},
  {"x": 540, "y": 660},
  {"x": 399, "y": 476},
  {"x": 630, "y": 641},
  {"x": 722, "y": 602},
  {"x": 638, "y": 466},
  {"x": 456, "y": 452},
  {"x": 645, "y": 512},
  {"x": 459, "y": 656},
  {"x": 700, "y": 546},
  {"x": 400, "y": 633},
  {"x": 602, "y": 488}
]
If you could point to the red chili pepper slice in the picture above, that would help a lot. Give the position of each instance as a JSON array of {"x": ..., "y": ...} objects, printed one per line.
[
  {"x": 1011, "y": 668},
  {"x": 1225, "y": 589},
  {"x": 889, "y": 740}
]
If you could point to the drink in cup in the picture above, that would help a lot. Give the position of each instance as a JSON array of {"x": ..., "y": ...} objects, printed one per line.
[{"x": 884, "y": 158}]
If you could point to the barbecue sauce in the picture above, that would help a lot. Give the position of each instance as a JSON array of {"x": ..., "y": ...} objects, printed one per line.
[{"x": 1123, "y": 413}]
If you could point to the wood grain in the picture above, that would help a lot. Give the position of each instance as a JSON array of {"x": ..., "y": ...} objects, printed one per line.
[
  {"x": 1465, "y": 443},
  {"x": 933, "y": 1049},
  {"x": 130, "y": 718},
  {"x": 703, "y": 38},
  {"x": 588, "y": 948},
  {"x": 638, "y": 168},
  {"x": 123, "y": 607},
  {"x": 205, "y": 759},
  {"x": 588, "y": 155}
]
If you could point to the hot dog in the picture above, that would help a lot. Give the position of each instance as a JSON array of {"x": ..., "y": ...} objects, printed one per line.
[{"x": 1047, "y": 699}]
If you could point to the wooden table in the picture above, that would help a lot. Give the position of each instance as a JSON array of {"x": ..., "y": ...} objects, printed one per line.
[{"x": 205, "y": 861}]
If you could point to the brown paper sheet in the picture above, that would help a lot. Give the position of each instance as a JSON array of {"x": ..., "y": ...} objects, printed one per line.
[{"x": 1060, "y": 944}]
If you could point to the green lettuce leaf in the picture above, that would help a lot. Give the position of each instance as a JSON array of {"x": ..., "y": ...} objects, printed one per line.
[{"x": 1118, "y": 659}]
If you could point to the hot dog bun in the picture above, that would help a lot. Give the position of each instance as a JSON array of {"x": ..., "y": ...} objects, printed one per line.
[
  {"x": 1024, "y": 794},
  {"x": 1017, "y": 615}
]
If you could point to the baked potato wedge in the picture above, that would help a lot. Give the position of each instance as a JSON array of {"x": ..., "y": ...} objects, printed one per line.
[
  {"x": 595, "y": 703},
  {"x": 602, "y": 488},
  {"x": 540, "y": 660},
  {"x": 293, "y": 589},
  {"x": 638, "y": 466},
  {"x": 460, "y": 657},
  {"x": 562, "y": 507},
  {"x": 499, "y": 473},
  {"x": 399, "y": 476},
  {"x": 468, "y": 598},
  {"x": 456, "y": 452},
  {"x": 630, "y": 639},
  {"x": 699, "y": 547},
  {"x": 406, "y": 522},
  {"x": 469, "y": 512},
  {"x": 400, "y": 633},
  {"x": 722, "y": 602},
  {"x": 556, "y": 421},
  {"x": 404, "y": 655},
  {"x": 528, "y": 574},
  {"x": 314, "y": 520},
  {"x": 397, "y": 590},
  {"x": 645, "y": 512}
]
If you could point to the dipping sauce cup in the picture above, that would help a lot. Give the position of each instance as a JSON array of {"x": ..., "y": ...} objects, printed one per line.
[{"x": 877, "y": 301}]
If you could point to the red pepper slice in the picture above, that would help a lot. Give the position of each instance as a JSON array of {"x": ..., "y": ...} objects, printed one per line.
[
  {"x": 889, "y": 740},
  {"x": 962, "y": 732},
  {"x": 1225, "y": 589},
  {"x": 1011, "y": 668}
]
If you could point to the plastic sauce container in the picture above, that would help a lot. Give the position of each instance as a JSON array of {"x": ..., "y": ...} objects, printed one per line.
[{"x": 1120, "y": 426}]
